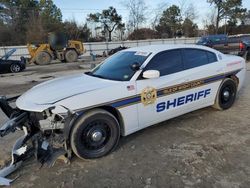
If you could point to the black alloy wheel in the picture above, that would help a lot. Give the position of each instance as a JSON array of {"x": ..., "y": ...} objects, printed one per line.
[
  {"x": 227, "y": 94},
  {"x": 95, "y": 134}
]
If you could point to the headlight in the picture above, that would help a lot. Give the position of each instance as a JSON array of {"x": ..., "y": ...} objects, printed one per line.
[{"x": 51, "y": 121}]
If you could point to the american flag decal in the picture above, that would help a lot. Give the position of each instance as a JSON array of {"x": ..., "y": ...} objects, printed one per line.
[{"x": 131, "y": 87}]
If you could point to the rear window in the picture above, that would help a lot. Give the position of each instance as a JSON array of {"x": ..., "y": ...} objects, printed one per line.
[{"x": 235, "y": 39}]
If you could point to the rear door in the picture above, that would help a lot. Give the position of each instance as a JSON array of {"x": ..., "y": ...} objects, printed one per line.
[
  {"x": 233, "y": 46},
  {"x": 204, "y": 74}
]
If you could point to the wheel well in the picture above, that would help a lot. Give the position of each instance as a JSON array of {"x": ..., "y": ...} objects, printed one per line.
[
  {"x": 117, "y": 115},
  {"x": 68, "y": 49},
  {"x": 234, "y": 78},
  {"x": 14, "y": 64}
]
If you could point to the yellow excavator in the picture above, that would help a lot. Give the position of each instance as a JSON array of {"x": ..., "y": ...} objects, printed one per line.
[{"x": 58, "y": 47}]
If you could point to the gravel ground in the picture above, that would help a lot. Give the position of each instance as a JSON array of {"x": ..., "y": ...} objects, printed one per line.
[{"x": 205, "y": 148}]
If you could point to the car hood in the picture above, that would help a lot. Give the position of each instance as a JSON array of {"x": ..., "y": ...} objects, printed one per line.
[{"x": 58, "y": 89}]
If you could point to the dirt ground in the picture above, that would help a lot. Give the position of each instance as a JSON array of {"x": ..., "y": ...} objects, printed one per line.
[{"x": 205, "y": 148}]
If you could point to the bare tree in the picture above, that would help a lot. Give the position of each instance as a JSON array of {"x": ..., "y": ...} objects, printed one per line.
[
  {"x": 137, "y": 11},
  {"x": 209, "y": 22},
  {"x": 190, "y": 12},
  {"x": 246, "y": 19},
  {"x": 120, "y": 32},
  {"x": 182, "y": 4},
  {"x": 157, "y": 13},
  {"x": 109, "y": 19},
  {"x": 189, "y": 28},
  {"x": 35, "y": 34},
  {"x": 227, "y": 8}
]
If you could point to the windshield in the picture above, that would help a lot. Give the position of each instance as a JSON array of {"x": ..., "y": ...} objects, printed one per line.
[
  {"x": 202, "y": 39},
  {"x": 119, "y": 66}
]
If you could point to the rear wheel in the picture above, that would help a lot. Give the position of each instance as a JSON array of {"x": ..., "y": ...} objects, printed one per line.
[
  {"x": 95, "y": 134},
  {"x": 227, "y": 94},
  {"x": 43, "y": 58},
  {"x": 248, "y": 54},
  {"x": 14, "y": 68},
  {"x": 71, "y": 56}
]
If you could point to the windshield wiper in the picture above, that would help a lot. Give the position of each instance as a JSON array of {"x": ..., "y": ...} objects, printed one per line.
[
  {"x": 98, "y": 76},
  {"x": 95, "y": 75}
]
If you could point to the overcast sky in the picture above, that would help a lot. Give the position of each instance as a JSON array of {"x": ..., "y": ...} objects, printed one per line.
[{"x": 79, "y": 9}]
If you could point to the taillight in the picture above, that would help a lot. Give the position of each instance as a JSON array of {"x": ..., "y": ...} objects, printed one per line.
[{"x": 242, "y": 46}]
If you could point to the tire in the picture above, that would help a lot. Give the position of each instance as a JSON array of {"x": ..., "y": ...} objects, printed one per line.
[
  {"x": 43, "y": 58},
  {"x": 248, "y": 54},
  {"x": 226, "y": 96},
  {"x": 14, "y": 68},
  {"x": 71, "y": 56},
  {"x": 95, "y": 134}
]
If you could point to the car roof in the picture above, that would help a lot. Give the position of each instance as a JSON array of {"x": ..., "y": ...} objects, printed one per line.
[
  {"x": 164, "y": 47},
  {"x": 212, "y": 36}
]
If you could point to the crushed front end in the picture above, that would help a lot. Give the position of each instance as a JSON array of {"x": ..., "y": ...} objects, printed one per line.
[{"x": 44, "y": 136}]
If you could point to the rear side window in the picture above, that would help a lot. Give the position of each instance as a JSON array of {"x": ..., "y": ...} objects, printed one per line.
[
  {"x": 233, "y": 40},
  {"x": 218, "y": 39},
  {"x": 246, "y": 38},
  {"x": 195, "y": 58},
  {"x": 167, "y": 62},
  {"x": 211, "y": 57}
]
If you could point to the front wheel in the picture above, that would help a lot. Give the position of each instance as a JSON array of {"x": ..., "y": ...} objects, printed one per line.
[
  {"x": 95, "y": 134},
  {"x": 71, "y": 56},
  {"x": 226, "y": 95},
  {"x": 43, "y": 58},
  {"x": 14, "y": 68},
  {"x": 248, "y": 54}
]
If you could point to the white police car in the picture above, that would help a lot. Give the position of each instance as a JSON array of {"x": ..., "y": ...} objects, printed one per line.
[{"x": 129, "y": 91}]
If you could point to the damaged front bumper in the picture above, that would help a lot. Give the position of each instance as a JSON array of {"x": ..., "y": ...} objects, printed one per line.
[{"x": 35, "y": 141}]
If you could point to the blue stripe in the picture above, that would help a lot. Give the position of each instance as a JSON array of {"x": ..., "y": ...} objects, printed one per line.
[
  {"x": 214, "y": 78},
  {"x": 160, "y": 93},
  {"x": 126, "y": 102}
]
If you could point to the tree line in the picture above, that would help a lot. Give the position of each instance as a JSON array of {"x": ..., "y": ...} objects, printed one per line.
[{"x": 30, "y": 21}]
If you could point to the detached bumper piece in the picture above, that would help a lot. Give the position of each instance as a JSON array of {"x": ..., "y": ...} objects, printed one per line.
[
  {"x": 18, "y": 156},
  {"x": 19, "y": 148},
  {"x": 32, "y": 143}
]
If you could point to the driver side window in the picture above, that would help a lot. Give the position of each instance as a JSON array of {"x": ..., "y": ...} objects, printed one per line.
[{"x": 167, "y": 62}]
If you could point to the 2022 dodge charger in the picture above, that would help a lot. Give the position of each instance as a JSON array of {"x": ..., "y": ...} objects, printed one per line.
[{"x": 131, "y": 90}]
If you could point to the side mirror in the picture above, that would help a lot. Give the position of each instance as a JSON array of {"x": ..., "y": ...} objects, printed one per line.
[{"x": 150, "y": 74}]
